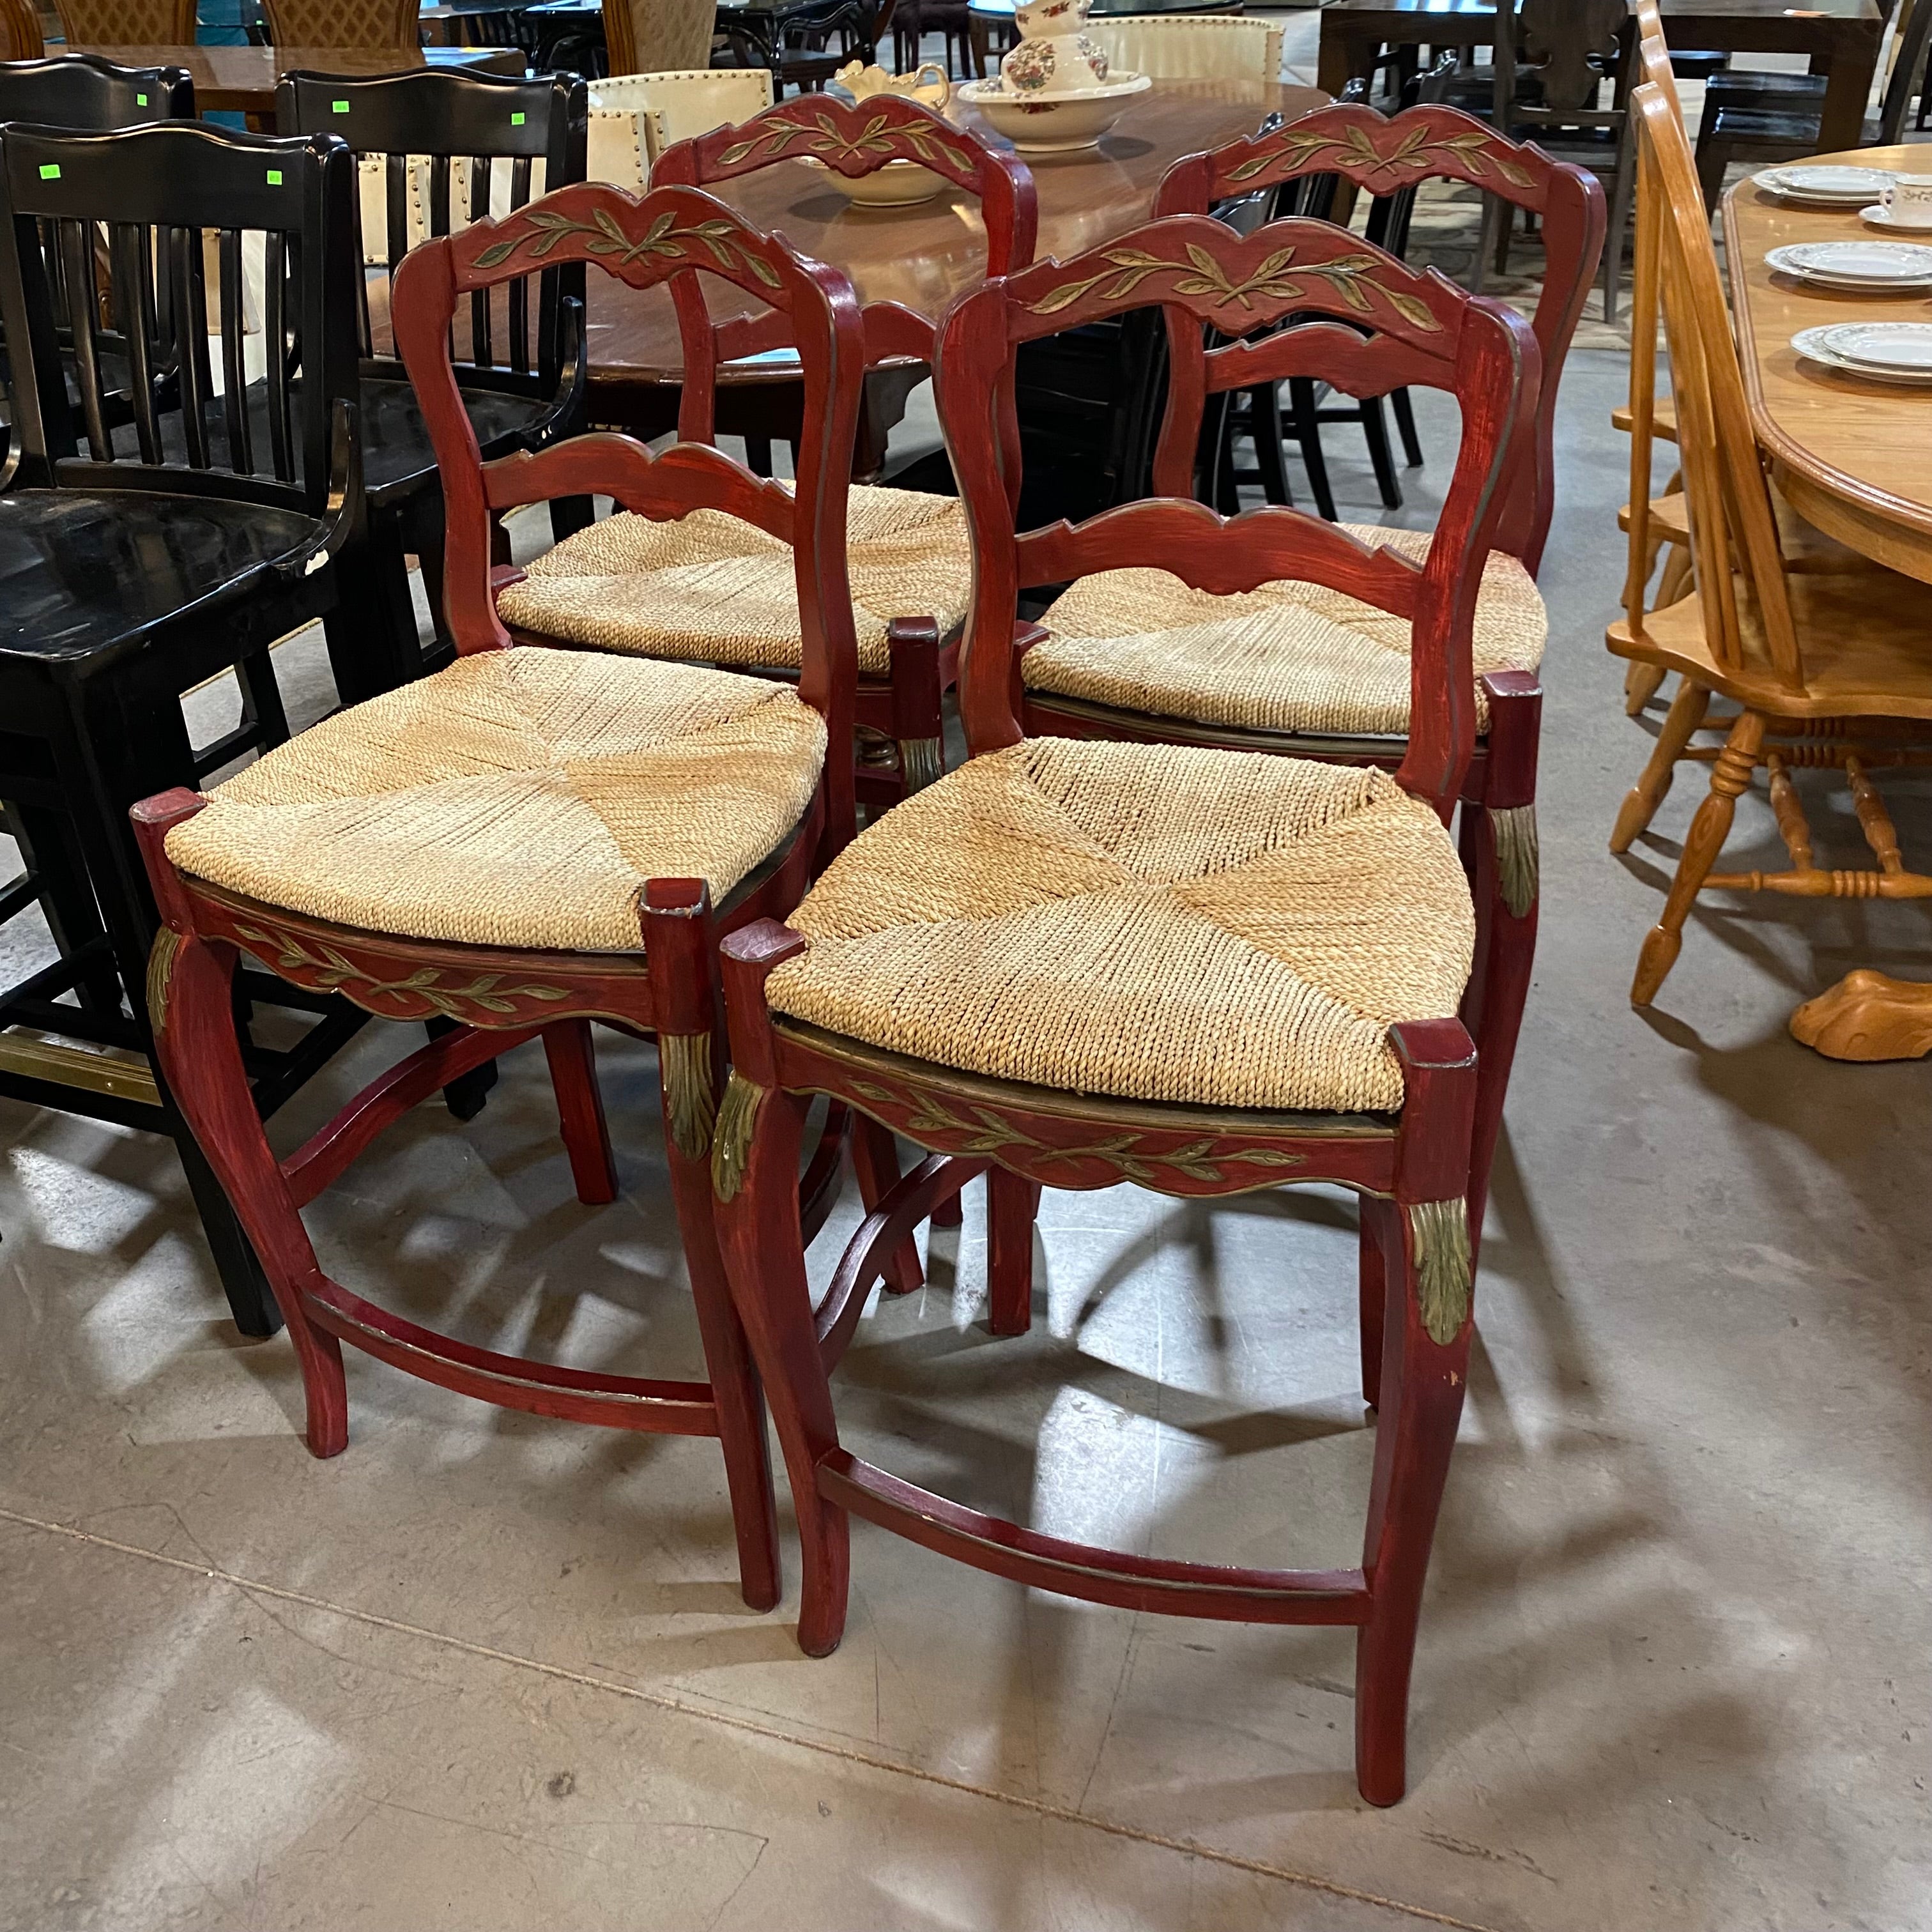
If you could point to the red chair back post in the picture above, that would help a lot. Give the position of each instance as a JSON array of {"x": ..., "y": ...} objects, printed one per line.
[
  {"x": 1421, "y": 330},
  {"x": 671, "y": 236},
  {"x": 854, "y": 141},
  {"x": 1384, "y": 153}
]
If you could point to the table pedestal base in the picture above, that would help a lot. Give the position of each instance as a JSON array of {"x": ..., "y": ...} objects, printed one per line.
[{"x": 1866, "y": 1016}]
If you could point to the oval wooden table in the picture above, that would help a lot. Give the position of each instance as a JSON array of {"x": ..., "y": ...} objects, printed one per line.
[
  {"x": 921, "y": 256},
  {"x": 1855, "y": 458}
]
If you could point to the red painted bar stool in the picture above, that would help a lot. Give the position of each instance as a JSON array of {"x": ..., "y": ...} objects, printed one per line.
[
  {"x": 1298, "y": 667},
  {"x": 710, "y": 589},
  {"x": 529, "y": 839},
  {"x": 1073, "y": 964}
]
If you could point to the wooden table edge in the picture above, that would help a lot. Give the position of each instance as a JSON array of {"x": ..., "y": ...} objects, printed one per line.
[{"x": 1868, "y": 518}]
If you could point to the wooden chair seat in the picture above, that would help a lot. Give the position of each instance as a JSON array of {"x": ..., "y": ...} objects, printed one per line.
[
  {"x": 518, "y": 798},
  {"x": 1663, "y": 422},
  {"x": 1286, "y": 657},
  {"x": 1150, "y": 922},
  {"x": 714, "y": 589},
  {"x": 1863, "y": 634}
]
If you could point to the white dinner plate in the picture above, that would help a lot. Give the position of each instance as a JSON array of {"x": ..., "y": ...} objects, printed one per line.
[
  {"x": 1831, "y": 186},
  {"x": 1876, "y": 265},
  {"x": 1819, "y": 345},
  {"x": 1879, "y": 216},
  {"x": 1890, "y": 345}
]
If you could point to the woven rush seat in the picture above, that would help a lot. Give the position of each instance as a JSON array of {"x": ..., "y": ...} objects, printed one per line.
[
  {"x": 1285, "y": 657},
  {"x": 712, "y": 587},
  {"x": 518, "y": 798},
  {"x": 1150, "y": 922}
]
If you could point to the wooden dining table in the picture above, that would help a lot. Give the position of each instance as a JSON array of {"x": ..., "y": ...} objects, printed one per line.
[
  {"x": 1841, "y": 38},
  {"x": 241, "y": 80},
  {"x": 922, "y": 256},
  {"x": 1855, "y": 458}
]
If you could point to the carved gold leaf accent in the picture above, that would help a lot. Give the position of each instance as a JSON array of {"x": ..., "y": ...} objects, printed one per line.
[
  {"x": 161, "y": 971},
  {"x": 1518, "y": 858},
  {"x": 664, "y": 237},
  {"x": 684, "y": 1065},
  {"x": 990, "y": 1133},
  {"x": 731, "y": 1144},
  {"x": 1440, "y": 1230},
  {"x": 332, "y": 970},
  {"x": 1475, "y": 150}
]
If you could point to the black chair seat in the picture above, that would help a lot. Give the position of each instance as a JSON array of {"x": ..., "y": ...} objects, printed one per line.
[
  {"x": 80, "y": 571},
  {"x": 1788, "y": 126},
  {"x": 395, "y": 445},
  {"x": 1787, "y": 91}
]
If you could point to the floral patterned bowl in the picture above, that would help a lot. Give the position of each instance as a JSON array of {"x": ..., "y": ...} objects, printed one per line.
[{"x": 1047, "y": 123}]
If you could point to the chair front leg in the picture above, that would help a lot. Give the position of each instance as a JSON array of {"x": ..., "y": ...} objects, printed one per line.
[
  {"x": 568, "y": 1048},
  {"x": 754, "y": 1182},
  {"x": 680, "y": 946},
  {"x": 190, "y": 991},
  {"x": 1012, "y": 1203},
  {"x": 1423, "y": 1236}
]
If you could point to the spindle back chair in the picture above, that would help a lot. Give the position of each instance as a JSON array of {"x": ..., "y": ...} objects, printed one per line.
[
  {"x": 157, "y": 537},
  {"x": 796, "y": 1030},
  {"x": 1805, "y": 652},
  {"x": 460, "y": 146},
  {"x": 662, "y": 980},
  {"x": 1385, "y": 155},
  {"x": 21, "y": 38}
]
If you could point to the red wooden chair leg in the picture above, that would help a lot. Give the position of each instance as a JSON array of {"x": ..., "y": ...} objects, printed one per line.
[
  {"x": 678, "y": 944},
  {"x": 580, "y": 1111},
  {"x": 1509, "y": 891},
  {"x": 1012, "y": 1203},
  {"x": 917, "y": 725},
  {"x": 875, "y": 1160},
  {"x": 950, "y": 1213},
  {"x": 190, "y": 986},
  {"x": 754, "y": 1172}
]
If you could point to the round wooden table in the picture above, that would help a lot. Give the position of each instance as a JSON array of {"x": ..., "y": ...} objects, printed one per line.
[
  {"x": 1855, "y": 458},
  {"x": 922, "y": 256}
]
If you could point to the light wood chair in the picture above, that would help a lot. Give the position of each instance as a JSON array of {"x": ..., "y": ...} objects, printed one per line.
[
  {"x": 1190, "y": 46},
  {"x": 635, "y": 117},
  {"x": 658, "y": 36},
  {"x": 378, "y": 26},
  {"x": 128, "y": 23},
  {"x": 1821, "y": 663},
  {"x": 20, "y": 36}
]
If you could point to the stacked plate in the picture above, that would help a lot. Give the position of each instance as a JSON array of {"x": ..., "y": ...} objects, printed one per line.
[
  {"x": 1870, "y": 267},
  {"x": 1880, "y": 351},
  {"x": 1816, "y": 185}
]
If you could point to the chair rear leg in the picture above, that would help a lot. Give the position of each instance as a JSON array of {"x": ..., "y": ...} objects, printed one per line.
[
  {"x": 1012, "y": 1204},
  {"x": 1307, "y": 422},
  {"x": 465, "y": 1096},
  {"x": 1730, "y": 778},
  {"x": 1403, "y": 404},
  {"x": 1680, "y": 725},
  {"x": 1264, "y": 413},
  {"x": 567, "y": 1046},
  {"x": 1381, "y": 458},
  {"x": 875, "y": 1160}
]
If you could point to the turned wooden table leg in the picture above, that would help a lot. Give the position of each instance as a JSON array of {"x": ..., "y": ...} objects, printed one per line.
[{"x": 1867, "y": 1016}]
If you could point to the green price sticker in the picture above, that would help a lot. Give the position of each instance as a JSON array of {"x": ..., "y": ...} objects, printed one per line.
[
  {"x": 339, "y": 107},
  {"x": 516, "y": 120},
  {"x": 140, "y": 100},
  {"x": 50, "y": 171},
  {"x": 274, "y": 177}
]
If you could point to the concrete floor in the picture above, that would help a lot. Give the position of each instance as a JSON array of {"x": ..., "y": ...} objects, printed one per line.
[{"x": 490, "y": 1671}]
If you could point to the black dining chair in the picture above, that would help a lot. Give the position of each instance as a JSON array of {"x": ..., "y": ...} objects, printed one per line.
[
  {"x": 454, "y": 147},
  {"x": 155, "y": 533}
]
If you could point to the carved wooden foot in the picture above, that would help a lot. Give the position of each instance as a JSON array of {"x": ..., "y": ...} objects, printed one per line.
[{"x": 1866, "y": 1016}]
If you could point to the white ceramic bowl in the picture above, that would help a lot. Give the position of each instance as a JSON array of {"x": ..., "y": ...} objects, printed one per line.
[
  {"x": 1050, "y": 124},
  {"x": 897, "y": 185}
]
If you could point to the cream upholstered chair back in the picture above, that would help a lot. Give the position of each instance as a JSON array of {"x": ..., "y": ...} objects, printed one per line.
[
  {"x": 634, "y": 117},
  {"x": 658, "y": 36},
  {"x": 1192, "y": 46}
]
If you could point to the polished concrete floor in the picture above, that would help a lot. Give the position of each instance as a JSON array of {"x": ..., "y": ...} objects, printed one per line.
[{"x": 490, "y": 1671}]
